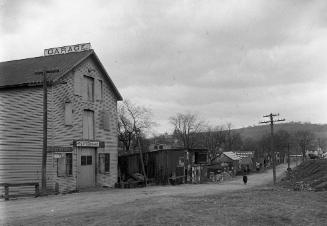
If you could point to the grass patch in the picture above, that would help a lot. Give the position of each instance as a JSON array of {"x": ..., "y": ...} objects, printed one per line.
[
  {"x": 257, "y": 206},
  {"x": 250, "y": 207}
]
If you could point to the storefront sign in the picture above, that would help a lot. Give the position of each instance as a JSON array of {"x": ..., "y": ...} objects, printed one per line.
[
  {"x": 59, "y": 149},
  {"x": 57, "y": 155},
  {"x": 67, "y": 49},
  {"x": 87, "y": 143}
]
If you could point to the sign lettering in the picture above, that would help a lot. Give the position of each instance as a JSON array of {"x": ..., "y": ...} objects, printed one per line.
[
  {"x": 58, "y": 155},
  {"x": 89, "y": 143},
  {"x": 84, "y": 143},
  {"x": 59, "y": 149},
  {"x": 67, "y": 49}
]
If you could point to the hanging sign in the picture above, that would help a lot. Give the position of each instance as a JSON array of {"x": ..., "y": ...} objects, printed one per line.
[
  {"x": 59, "y": 149},
  {"x": 89, "y": 143},
  {"x": 58, "y": 155},
  {"x": 67, "y": 49}
]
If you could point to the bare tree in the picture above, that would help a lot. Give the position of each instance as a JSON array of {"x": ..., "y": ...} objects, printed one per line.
[
  {"x": 305, "y": 140},
  {"x": 213, "y": 139},
  {"x": 133, "y": 121},
  {"x": 233, "y": 139},
  {"x": 186, "y": 128}
]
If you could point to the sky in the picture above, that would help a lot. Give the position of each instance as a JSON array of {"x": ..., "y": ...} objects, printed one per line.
[{"x": 227, "y": 61}]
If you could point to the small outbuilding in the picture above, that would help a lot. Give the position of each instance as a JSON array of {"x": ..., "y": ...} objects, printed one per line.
[{"x": 166, "y": 166}]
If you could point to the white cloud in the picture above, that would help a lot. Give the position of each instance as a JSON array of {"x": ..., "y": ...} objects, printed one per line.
[{"x": 230, "y": 61}]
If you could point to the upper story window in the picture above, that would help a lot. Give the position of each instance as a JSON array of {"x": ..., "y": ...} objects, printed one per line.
[
  {"x": 88, "y": 125},
  {"x": 88, "y": 93},
  {"x": 100, "y": 90}
]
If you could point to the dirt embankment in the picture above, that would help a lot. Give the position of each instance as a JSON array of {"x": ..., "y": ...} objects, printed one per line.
[{"x": 309, "y": 175}]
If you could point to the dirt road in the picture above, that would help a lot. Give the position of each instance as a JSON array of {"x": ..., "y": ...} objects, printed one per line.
[{"x": 70, "y": 209}]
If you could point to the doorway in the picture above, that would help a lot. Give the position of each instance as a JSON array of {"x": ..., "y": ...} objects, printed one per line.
[{"x": 86, "y": 165}]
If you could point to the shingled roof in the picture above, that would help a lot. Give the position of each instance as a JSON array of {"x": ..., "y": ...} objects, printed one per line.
[{"x": 22, "y": 72}]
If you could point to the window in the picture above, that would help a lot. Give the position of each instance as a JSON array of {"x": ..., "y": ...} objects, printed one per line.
[
  {"x": 105, "y": 120},
  {"x": 86, "y": 160},
  {"x": 160, "y": 147},
  {"x": 181, "y": 161},
  {"x": 104, "y": 163},
  {"x": 88, "y": 125},
  {"x": 69, "y": 164},
  {"x": 68, "y": 114},
  {"x": 88, "y": 92},
  {"x": 200, "y": 157},
  {"x": 77, "y": 83},
  {"x": 100, "y": 90},
  {"x": 65, "y": 165}
]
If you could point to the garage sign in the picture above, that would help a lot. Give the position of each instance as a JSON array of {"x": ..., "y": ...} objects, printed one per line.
[{"x": 67, "y": 49}]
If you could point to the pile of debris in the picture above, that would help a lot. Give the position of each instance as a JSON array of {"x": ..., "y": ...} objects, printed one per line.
[
  {"x": 310, "y": 175},
  {"x": 135, "y": 180}
]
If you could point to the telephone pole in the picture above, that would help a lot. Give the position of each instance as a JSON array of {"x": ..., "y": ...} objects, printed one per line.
[
  {"x": 288, "y": 157},
  {"x": 271, "y": 122},
  {"x": 44, "y": 73}
]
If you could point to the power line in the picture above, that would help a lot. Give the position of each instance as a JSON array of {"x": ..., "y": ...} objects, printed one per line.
[{"x": 271, "y": 122}]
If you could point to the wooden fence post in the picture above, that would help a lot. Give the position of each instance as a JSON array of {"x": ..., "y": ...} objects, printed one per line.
[
  {"x": 6, "y": 192},
  {"x": 37, "y": 190}
]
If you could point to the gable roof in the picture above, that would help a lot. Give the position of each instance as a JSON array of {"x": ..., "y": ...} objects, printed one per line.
[
  {"x": 22, "y": 72},
  {"x": 231, "y": 155}
]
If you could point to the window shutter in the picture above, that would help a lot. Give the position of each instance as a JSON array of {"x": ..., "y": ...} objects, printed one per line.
[
  {"x": 68, "y": 114},
  {"x": 107, "y": 162},
  {"x": 61, "y": 167},
  {"x": 106, "y": 121},
  {"x": 97, "y": 89},
  {"x": 85, "y": 125},
  {"x": 101, "y": 163},
  {"x": 77, "y": 84},
  {"x": 84, "y": 88}
]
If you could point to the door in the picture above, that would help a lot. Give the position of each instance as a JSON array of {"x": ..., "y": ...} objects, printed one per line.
[
  {"x": 88, "y": 125},
  {"x": 86, "y": 163}
]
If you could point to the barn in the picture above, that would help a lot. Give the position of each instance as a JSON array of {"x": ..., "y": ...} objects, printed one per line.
[{"x": 81, "y": 120}]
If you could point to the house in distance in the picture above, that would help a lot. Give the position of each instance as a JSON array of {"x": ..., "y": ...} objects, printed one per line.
[{"x": 82, "y": 120}]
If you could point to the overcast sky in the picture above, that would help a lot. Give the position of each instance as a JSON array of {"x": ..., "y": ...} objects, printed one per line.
[{"x": 228, "y": 61}]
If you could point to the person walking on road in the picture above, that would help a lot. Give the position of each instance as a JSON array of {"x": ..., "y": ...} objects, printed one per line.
[{"x": 245, "y": 177}]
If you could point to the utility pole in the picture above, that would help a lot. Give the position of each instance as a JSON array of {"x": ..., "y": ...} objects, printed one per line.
[
  {"x": 288, "y": 156},
  {"x": 44, "y": 73},
  {"x": 138, "y": 134},
  {"x": 271, "y": 122}
]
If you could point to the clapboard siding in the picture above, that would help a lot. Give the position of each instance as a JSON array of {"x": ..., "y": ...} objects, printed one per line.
[
  {"x": 21, "y": 129},
  {"x": 21, "y": 135},
  {"x": 63, "y": 135}
]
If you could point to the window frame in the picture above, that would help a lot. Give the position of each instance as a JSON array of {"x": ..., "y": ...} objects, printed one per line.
[
  {"x": 85, "y": 113},
  {"x": 86, "y": 80},
  {"x": 101, "y": 89},
  {"x": 88, "y": 159},
  {"x": 68, "y": 165},
  {"x": 104, "y": 163}
]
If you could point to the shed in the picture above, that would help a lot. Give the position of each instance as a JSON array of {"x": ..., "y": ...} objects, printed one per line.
[{"x": 186, "y": 165}]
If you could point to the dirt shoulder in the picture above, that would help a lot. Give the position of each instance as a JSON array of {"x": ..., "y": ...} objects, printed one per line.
[{"x": 75, "y": 204}]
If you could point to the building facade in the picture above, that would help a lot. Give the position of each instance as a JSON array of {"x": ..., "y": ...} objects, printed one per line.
[{"x": 82, "y": 122}]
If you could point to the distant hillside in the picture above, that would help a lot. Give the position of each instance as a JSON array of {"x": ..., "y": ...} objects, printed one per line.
[{"x": 256, "y": 132}]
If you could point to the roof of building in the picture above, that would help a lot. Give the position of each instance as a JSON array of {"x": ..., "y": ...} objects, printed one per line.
[
  {"x": 231, "y": 155},
  {"x": 22, "y": 72},
  {"x": 248, "y": 154}
]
